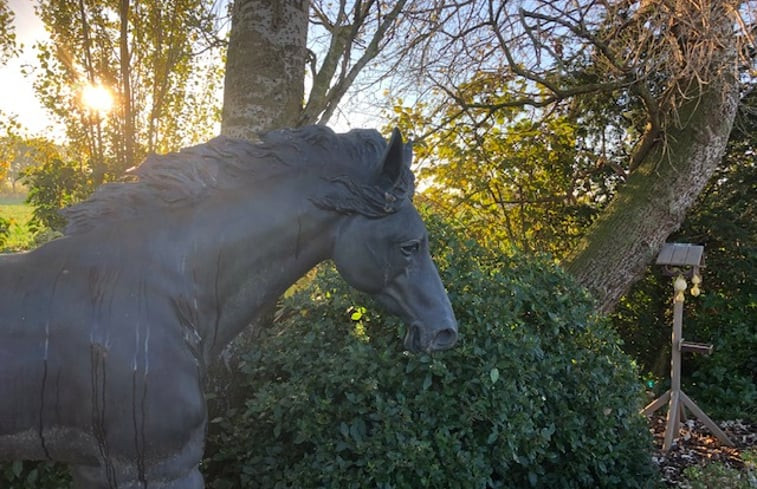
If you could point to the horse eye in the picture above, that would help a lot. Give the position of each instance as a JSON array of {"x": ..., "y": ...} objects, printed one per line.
[{"x": 410, "y": 248}]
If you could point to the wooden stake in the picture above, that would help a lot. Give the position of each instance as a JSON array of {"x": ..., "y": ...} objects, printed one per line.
[
  {"x": 709, "y": 423},
  {"x": 656, "y": 404},
  {"x": 671, "y": 428}
]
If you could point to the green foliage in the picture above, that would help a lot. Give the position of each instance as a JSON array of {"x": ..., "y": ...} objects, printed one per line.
[
  {"x": 5, "y": 226},
  {"x": 536, "y": 394},
  {"x": 33, "y": 475},
  {"x": 725, "y": 221},
  {"x": 51, "y": 183},
  {"x": 643, "y": 320},
  {"x": 533, "y": 185},
  {"x": 8, "y": 45},
  {"x": 17, "y": 153},
  {"x": 17, "y": 214},
  {"x": 52, "y": 186},
  {"x": 718, "y": 476}
]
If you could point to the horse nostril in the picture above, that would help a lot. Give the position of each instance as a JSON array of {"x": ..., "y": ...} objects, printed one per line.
[
  {"x": 445, "y": 339},
  {"x": 413, "y": 338}
]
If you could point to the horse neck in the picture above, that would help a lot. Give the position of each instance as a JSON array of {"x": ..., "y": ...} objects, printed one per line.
[{"x": 258, "y": 243}]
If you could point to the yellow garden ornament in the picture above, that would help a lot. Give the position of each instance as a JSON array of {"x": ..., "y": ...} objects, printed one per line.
[
  {"x": 696, "y": 280},
  {"x": 679, "y": 285}
]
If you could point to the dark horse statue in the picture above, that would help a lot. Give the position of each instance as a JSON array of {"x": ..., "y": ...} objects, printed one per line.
[{"x": 105, "y": 333}]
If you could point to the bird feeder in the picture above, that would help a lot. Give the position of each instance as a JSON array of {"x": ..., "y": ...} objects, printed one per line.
[{"x": 681, "y": 262}]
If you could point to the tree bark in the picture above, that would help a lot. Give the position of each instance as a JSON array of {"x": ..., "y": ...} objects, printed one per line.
[
  {"x": 652, "y": 204},
  {"x": 265, "y": 66}
]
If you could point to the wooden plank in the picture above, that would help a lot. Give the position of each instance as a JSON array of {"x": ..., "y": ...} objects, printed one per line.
[
  {"x": 656, "y": 404},
  {"x": 680, "y": 254},
  {"x": 674, "y": 410},
  {"x": 666, "y": 254},
  {"x": 699, "y": 348},
  {"x": 710, "y": 424},
  {"x": 671, "y": 427},
  {"x": 675, "y": 354}
]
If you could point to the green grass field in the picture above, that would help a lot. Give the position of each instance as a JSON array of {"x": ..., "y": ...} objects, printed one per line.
[{"x": 18, "y": 213}]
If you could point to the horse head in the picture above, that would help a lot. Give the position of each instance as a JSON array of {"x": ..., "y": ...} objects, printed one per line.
[{"x": 388, "y": 257}]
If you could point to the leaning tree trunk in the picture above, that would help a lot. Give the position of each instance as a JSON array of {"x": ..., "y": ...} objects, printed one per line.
[
  {"x": 653, "y": 202},
  {"x": 265, "y": 66}
]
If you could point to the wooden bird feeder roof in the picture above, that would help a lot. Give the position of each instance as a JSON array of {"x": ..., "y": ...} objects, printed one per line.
[{"x": 681, "y": 255}]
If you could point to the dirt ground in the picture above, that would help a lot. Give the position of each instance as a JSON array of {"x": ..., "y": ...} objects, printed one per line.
[{"x": 695, "y": 445}]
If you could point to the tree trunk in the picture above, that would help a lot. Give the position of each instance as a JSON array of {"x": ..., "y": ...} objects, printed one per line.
[
  {"x": 126, "y": 102},
  {"x": 653, "y": 202},
  {"x": 265, "y": 66}
]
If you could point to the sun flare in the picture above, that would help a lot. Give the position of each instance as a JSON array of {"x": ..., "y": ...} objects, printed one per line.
[{"x": 97, "y": 98}]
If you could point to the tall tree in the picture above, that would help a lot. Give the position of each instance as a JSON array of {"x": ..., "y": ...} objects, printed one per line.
[
  {"x": 154, "y": 59},
  {"x": 653, "y": 202},
  {"x": 270, "y": 57},
  {"x": 665, "y": 67},
  {"x": 265, "y": 66}
]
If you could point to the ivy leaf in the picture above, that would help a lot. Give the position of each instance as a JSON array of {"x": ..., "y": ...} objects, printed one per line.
[
  {"x": 494, "y": 375},
  {"x": 532, "y": 478}
]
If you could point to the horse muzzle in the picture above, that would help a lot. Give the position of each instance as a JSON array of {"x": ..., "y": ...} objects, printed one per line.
[
  {"x": 418, "y": 297},
  {"x": 420, "y": 338}
]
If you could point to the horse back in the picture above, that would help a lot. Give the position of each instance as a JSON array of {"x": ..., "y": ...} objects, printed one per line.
[{"x": 87, "y": 342}]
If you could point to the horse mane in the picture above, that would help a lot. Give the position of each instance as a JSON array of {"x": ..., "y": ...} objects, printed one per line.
[{"x": 349, "y": 161}]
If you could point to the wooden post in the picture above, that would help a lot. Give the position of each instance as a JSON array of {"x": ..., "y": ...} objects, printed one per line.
[{"x": 674, "y": 408}]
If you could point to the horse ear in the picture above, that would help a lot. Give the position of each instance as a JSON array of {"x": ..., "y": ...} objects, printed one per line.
[{"x": 396, "y": 156}]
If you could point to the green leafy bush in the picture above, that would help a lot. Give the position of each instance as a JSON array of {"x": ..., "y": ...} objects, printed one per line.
[
  {"x": 53, "y": 185},
  {"x": 33, "y": 475},
  {"x": 718, "y": 476},
  {"x": 536, "y": 394},
  {"x": 725, "y": 221},
  {"x": 5, "y": 227}
]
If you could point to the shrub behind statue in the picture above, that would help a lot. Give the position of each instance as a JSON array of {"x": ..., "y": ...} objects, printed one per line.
[{"x": 536, "y": 394}]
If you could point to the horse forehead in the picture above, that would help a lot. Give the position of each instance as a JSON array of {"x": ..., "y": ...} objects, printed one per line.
[{"x": 406, "y": 222}]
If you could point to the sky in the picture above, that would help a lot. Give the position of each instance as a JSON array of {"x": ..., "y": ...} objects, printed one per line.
[{"x": 16, "y": 92}]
